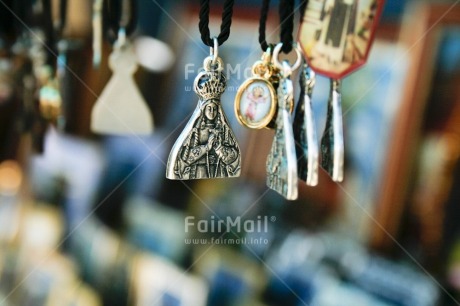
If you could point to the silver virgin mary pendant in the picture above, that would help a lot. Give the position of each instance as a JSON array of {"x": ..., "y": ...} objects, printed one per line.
[
  {"x": 207, "y": 147},
  {"x": 332, "y": 147},
  {"x": 305, "y": 130},
  {"x": 281, "y": 161}
]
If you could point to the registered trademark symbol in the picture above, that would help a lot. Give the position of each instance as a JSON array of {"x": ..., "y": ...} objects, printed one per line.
[{"x": 273, "y": 218}]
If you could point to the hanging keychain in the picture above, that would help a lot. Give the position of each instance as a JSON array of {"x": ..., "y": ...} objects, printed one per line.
[
  {"x": 66, "y": 47},
  {"x": 207, "y": 147},
  {"x": 31, "y": 46},
  {"x": 305, "y": 130},
  {"x": 304, "y": 125},
  {"x": 50, "y": 100},
  {"x": 121, "y": 109},
  {"x": 54, "y": 94},
  {"x": 256, "y": 100},
  {"x": 336, "y": 37},
  {"x": 332, "y": 144},
  {"x": 282, "y": 160},
  {"x": 97, "y": 32}
]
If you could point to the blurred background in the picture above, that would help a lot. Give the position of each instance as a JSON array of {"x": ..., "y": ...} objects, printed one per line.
[{"x": 90, "y": 220}]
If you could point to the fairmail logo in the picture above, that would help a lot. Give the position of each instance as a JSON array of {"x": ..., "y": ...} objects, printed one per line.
[
  {"x": 237, "y": 71},
  {"x": 228, "y": 224}
]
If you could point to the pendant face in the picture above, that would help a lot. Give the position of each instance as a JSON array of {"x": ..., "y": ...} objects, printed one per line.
[
  {"x": 336, "y": 35},
  {"x": 281, "y": 161},
  {"x": 121, "y": 108},
  {"x": 332, "y": 146},
  {"x": 207, "y": 147},
  {"x": 305, "y": 130},
  {"x": 255, "y": 103}
]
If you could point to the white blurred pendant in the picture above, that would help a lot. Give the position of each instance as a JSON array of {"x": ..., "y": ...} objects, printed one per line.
[
  {"x": 305, "y": 130},
  {"x": 121, "y": 109},
  {"x": 163, "y": 60}
]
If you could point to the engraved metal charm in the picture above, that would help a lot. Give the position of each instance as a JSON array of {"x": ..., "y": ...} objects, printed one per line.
[
  {"x": 281, "y": 162},
  {"x": 306, "y": 142},
  {"x": 121, "y": 108},
  {"x": 255, "y": 101},
  {"x": 332, "y": 146},
  {"x": 207, "y": 147}
]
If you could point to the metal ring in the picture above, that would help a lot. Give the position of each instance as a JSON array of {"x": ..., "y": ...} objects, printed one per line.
[
  {"x": 214, "y": 51},
  {"x": 267, "y": 56},
  {"x": 121, "y": 38},
  {"x": 276, "y": 53},
  {"x": 209, "y": 66}
]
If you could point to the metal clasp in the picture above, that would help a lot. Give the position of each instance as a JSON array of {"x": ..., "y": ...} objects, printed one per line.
[{"x": 214, "y": 51}]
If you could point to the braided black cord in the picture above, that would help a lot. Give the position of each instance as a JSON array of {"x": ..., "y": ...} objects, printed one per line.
[
  {"x": 49, "y": 32},
  {"x": 263, "y": 24},
  {"x": 117, "y": 14},
  {"x": 226, "y": 22},
  {"x": 110, "y": 24},
  {"x": 224, "y": 27},
  {"x": 21, "y": 9},
  {"x": 286, "y": 12},
  {"x": 62, "y": 16},
  {"x": 203, "y": 25},
  {"x": 303, "y": 6}
]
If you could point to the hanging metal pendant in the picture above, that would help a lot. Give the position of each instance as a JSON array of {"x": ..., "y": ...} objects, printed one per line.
[
  {"x": 332, "y": 146},
  {"x": 121, "y": 108},
  {"x": 97, "y": 32},
  {"x": 255, "y": 101},
  {"x": 336, "y": 35},
  {"x": 50, "y": 100},
  {"x": 306, "y": 141},
  {"x": 281, "y": 161},
  {"x": 207, "y": 147}
]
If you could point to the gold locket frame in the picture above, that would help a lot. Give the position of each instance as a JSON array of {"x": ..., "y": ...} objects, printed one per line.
[{"x": 273, "y": 107}]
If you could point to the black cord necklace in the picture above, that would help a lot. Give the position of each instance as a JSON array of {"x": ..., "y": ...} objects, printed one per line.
[
  {"x": 119, "y": 14},
  {"x": 207, "y": 147},
  {"x": 303, "y": 6},
  {"x": 53, "y": 33},
  {"x": 286, "y": 12},
  {"x": 286, "y": 15},
  {"x": 263, "y": 24},
  {"x": 50, "y": 35},
  {"x": 62, "y": 17},
  {"x": 224, "y": 27}
]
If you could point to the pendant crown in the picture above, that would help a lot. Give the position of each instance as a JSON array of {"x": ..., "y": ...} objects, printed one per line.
[{"x": 210, "y": 85}]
